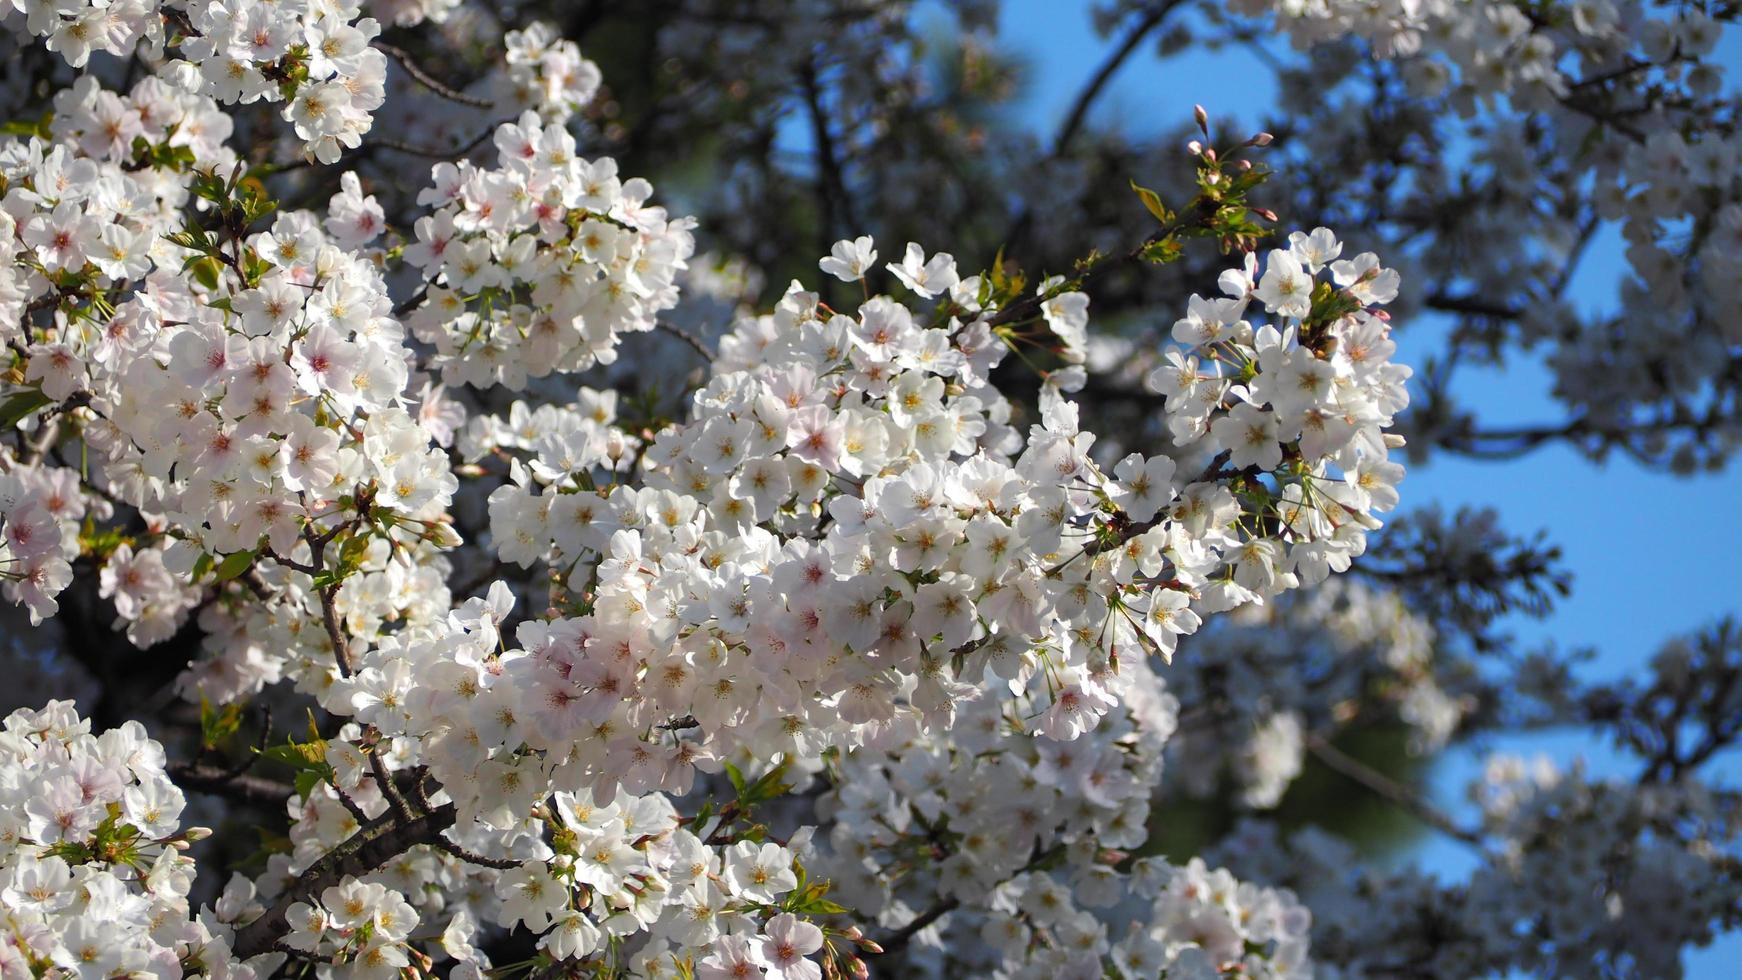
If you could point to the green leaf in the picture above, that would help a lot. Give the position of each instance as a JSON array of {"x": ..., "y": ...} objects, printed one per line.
[
  {"x": 206, "y": 272},
  {"x": 823, "y": 906},
  {"x": 256, "y": 203},
  {"x": 216, "y": 725},
  {"x": 28, "y": 127},
  {"x": 355, "y": 548},
  {"x": 196, "y": 240},
  {"x": 14, "y": 409},
  {"x": 306, "y": 781},
  {"x": 210, "y": 186},
  {"x": 234, "y": 565},
  {"x": 770, "y": 786},
  {"x": 1152, "y": 201},
  {"x": 1163, "y": 251},
  {"x": 309, "y": 759},
  {"x": 257, "y": 267},
  {"x": 737, "y": 778}
]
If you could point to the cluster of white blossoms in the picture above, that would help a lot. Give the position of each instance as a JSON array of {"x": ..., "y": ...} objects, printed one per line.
[
  {"x": 1276, "y": 672},
  {"x": 41, "y": 509},
  {"x": 1512, "y": 113},
  {"x": 848, "y": 567},
  {"x": 878, "y": 553},
  {"x": 848, "y": 547},
  {"x": 851, "y": 486},
  {"x": 1025, "y": 840},
  {"x": 77, "y": 210},
  {"x": 859, "y": 663},
  {"x": 314, "y": 58},
  {"x": 93, "y": 875},
  {"x": 1611, "y": 869},
  {"x": 318, "y": 59},
  {"x": 282, "y": 370},
  {"x": 1491, "y": 47},
  {"x": 540, "y": 264},
  {"x": 1303, "y": 404},
  {"x": 288, "y": 374}
]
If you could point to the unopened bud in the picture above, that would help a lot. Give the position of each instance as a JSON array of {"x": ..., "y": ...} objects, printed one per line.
[
  {"x": 1210, "y": 154},
  {"x": 1202, "y": 117},
  {"x": 1394, "y": 440},
  {"x": 442, "y": 536},
  {"x": 859, "y": 969},
  {"x": 193, "y": 834},
  {"x": 1195, "y": 148},
  {"x": 1262, "y": 139}
]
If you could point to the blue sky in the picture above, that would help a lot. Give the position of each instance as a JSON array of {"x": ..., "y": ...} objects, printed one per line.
[{"x": 1653, "y": 555}]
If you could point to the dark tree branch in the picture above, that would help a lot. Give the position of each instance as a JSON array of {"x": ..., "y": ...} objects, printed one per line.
[
  {"x": 502, "y": 864},
  {"x": 901, "y": 937},
  {"x": 1097, "y": 83},
  {"x": 435, "y": 153},
  {"x": 695, "y": 343},
  {"x": 366, "y": 850},
  {"x": 831, "y": 179},
  {"x": 1470, "y": 306},
  {"x": 1386, "y": 787},
  {"x": 232, "y": 785},
  {"x": 427, "y": 80},
  {"x": 1078, "y": 114}
]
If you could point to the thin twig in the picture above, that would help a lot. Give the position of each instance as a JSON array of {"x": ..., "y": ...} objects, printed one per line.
[
  {"x": 1079, "y": 111},
  {"x": 436, "y": 153},
  {"x": 427, "y": 80},
  {"x": 901, "y": 937},
  {"x": 443, "y": 844},
  {"x": 1078, "y": 114},
  {"x": 687, "y": 337},
  {"x": 330, "y": 616},
  {"x": 830, "y": 177},
  {"x": 384, "y": 780},
  {"x": 230, "y": 785},
  {"x": 1390, "y": 789},
  {"x": 362, "y": 852}
]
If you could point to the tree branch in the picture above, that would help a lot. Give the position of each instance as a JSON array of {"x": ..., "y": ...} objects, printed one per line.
[
  {"x": 366, "y": 850},
  {"x": 232, "y": 785},
  {"x": 501, "y": 864},
  {"x": 830, "y": 179},
  {"x": 1078, "y": 114},
  {"x": 427, "y": 80},
  {"x": 1097, "y": 83},
  {"x": 691, "y": 339},
  {"x": 1385, "y": 786},
  {"x": 901, "y": 937},
  {"x": 435, "y": 153}
]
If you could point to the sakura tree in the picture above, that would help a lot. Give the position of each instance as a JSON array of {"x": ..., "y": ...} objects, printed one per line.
[{"x": 421, "y": 561}]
